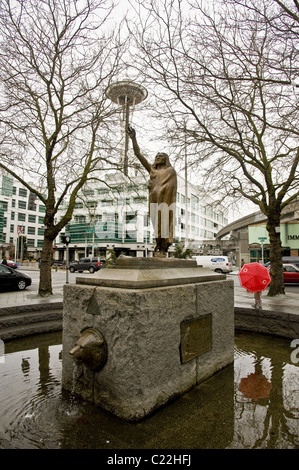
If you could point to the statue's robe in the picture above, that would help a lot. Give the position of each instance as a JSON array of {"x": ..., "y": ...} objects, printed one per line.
[{"x": 162, "y": 187}]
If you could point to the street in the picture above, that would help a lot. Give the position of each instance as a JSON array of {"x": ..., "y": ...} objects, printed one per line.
[{"x": 59, "y": 279}]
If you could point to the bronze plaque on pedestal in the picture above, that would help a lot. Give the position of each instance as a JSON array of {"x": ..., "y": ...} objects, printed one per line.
[{"x": 196, "y": 337}]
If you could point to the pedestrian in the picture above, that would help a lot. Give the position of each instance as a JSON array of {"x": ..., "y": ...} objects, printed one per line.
[
  {"x": 258, "y": 300},
  {"x": 242, "y": 263},
  {"x": 4, "y": 261}
]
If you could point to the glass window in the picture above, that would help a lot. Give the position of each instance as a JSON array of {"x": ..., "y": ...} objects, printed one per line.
[
  {"x": 22, "y": 192},
  {"x": 91, "y": 204},
  {"x": 80, "y": 219},
  {"x": 21, "y": 216},
  {"x": 22, "y": 204},
  {"x": 290, "y": 269}
]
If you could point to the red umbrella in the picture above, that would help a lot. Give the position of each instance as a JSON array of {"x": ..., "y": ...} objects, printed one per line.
[
  {"x": 254, "y": 277},
  {"x": 255, "y": 386}
]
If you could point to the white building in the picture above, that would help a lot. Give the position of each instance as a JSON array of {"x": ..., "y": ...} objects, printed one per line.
[
  {"x": 21, "y": 220},
  {"x": 115, "y": 216},
  {"x": 106, "y": 216}
]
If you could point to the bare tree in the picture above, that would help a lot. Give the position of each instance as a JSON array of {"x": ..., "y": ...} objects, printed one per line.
[
  {"x": 56, "y": 60},
  {"x": 223, "y": 78}
]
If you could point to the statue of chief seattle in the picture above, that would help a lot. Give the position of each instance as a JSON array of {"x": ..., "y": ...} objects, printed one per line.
[{"x": 162, "y": 187}]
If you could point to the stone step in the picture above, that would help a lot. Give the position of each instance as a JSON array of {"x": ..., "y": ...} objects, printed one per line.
[
  {"x": 35, "y": 328},
  {"x": 13, "y": 320},
  {"x": 28, "y": 308},
  {"x": 24, "y": 320}
]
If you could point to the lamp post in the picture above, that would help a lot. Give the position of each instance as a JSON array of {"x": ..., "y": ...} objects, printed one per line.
[{"x": 262, "y": 239}]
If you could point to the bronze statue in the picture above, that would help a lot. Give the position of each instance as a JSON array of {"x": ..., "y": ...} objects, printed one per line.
[{"x": 162, "y": 187}]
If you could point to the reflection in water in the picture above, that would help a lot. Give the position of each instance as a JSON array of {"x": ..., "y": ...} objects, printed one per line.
[
  {"x": 253, "y": 404},
  {"x": 272, "y": 420}
]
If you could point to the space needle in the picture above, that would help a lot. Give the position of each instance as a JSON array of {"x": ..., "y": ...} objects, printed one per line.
[{"x": 126, "y": 94}]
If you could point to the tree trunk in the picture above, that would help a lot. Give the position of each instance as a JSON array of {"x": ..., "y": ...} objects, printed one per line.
[
  {"x": 45, "y": 280},
  {"x": 277, "y": 284}
]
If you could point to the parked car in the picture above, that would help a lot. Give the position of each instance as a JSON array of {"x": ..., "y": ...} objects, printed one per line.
[
  {"x": 60, "y": 264},
  {"x": 290, "y": 273},
  {"x": 10, "y": 263},
  {"x": 12, "y": 279},
  {"x": 219, "y": 264},
  {"x": 86, "y": 264}
]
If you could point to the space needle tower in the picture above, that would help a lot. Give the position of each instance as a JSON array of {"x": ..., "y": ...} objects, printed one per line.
[{"x": 126, "y": 94}]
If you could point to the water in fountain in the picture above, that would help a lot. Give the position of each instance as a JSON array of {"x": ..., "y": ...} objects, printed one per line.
[{"x": 251, "y": 404}]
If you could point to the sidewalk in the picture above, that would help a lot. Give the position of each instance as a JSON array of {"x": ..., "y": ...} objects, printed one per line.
[
  {"x": 279, "y": 315},
  {"x": 284, "y": 303},
  {"x": 29, "y": 297}
]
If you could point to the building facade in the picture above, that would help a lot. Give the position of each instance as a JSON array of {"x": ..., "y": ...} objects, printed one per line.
[
  {"x": 21, "y": 220},
  {"x": 248, "y": 236},
  {"x": 113, "y": 215},
  {"x": 259, "y": 244}
]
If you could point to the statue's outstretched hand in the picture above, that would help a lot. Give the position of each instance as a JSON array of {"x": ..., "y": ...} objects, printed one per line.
[{"x": 131, "y": 132}]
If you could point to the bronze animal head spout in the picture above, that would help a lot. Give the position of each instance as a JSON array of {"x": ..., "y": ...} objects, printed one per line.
[{"x": 91, "y": 349}]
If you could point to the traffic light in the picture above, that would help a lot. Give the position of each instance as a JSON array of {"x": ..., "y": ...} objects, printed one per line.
[{"x": 66, "y": 239}]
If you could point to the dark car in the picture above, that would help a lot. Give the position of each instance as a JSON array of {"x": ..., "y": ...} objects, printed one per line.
[
  {"x": 86, "y": 264},
  {"x": 11, "y": 279}
]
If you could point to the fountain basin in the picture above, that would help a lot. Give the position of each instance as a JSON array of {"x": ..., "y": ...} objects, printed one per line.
[{"x": 162, "y": 339}]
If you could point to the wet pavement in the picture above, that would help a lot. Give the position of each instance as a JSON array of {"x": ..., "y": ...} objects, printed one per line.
[{"x": 288, "y": 303}]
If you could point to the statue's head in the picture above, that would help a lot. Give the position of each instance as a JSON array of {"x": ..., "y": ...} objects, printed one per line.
[{"x": 161, "y": 159}]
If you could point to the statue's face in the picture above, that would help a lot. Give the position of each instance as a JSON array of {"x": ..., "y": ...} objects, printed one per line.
[{"x": 160, "y": 159}]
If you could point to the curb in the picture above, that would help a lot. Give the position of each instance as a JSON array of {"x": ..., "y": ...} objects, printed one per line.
[
  {"x": 26, "y": 320},
  {"x": 269, "y": 322}
]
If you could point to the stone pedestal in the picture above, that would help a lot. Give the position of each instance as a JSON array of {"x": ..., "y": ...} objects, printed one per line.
[{"x": 167, "y": 324}]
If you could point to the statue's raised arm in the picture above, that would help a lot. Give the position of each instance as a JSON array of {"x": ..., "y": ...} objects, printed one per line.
[{"x": 132, "y": 134}]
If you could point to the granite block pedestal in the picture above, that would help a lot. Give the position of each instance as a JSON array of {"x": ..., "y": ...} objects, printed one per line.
[{"x": 167, "y": 325}]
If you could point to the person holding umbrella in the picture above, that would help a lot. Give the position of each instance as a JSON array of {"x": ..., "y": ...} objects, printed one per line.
[{"x": 255, "y": 278}]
